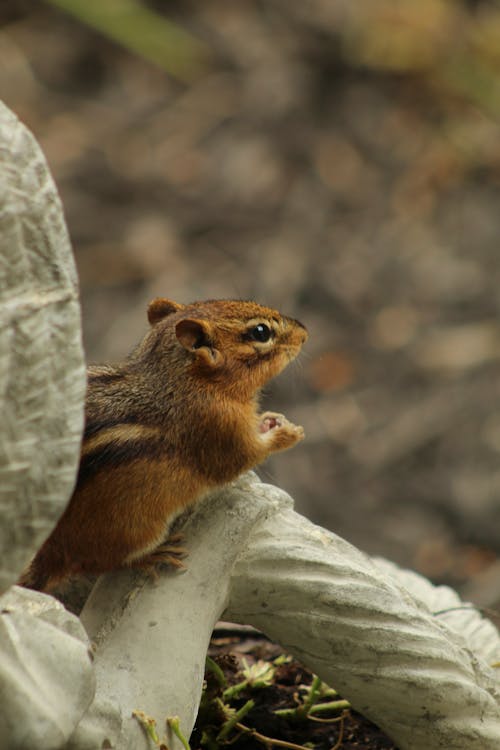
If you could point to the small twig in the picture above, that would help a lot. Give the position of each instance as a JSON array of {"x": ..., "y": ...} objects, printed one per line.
[
  {"x": 235, "y": 738},
  {"x": 334, "y": 720},
  {"x": 268, "y": 741},
  {"x": 338, "y": 744}
]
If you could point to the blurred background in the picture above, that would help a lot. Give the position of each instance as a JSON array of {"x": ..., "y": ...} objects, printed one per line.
[{"x": 337, "y": 160}]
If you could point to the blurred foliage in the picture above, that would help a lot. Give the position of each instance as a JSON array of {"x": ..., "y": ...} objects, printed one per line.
[
  {"x": 455, "y": 44},
  {"x": 457, "y": 47},
  {"x": 143, "y": 32}
]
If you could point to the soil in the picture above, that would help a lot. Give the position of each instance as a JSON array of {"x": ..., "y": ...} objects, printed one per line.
[{"x": 342, "y": 729}]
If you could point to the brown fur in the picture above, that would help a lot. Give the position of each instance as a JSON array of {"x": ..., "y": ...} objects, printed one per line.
[{"x": 179, "y": 417}]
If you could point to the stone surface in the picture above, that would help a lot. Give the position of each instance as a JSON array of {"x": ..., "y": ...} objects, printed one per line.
[
  {"x": 46, "y": 676},
  {"x": 152, "y": 637},
  {"x": 254, "y": 560},
  {"x": 361, "y": 630},
  {"x": 450, "y": 610},
  {"x": 42, "y": 374}
]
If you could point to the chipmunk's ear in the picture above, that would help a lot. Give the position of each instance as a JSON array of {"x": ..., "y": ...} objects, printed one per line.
[
  {"x": 160, "y": 307},
  {"x": 195, "y": 336}
]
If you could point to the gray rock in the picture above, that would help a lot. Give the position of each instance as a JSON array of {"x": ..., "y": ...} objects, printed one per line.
[
  {"x": 46, "y": 676},
  {"x": 42, "y": 374},
  {"x": 367, "y": 628}
]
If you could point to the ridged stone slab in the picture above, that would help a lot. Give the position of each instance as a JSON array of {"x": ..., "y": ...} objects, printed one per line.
[
  {"x": 378, "y": 635},
  {"x": 46, "y": 676},
  {"x": 42, "y": 374}
]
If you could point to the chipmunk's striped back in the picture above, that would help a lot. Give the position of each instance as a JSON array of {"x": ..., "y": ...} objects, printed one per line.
[{"x": 177, "y": 418}]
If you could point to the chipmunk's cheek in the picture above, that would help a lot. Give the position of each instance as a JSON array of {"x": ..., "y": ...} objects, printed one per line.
[{"x": 269, "y": 423}]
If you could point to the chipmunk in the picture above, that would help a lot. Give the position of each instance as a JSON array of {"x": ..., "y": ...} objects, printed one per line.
[{"x": 178, "y": 418}]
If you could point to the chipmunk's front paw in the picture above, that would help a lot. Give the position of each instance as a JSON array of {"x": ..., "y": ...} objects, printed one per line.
[{"x": 280, "y": 433}]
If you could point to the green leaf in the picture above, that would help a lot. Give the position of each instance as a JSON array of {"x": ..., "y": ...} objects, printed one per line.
[{"x": 144, "y": 32}]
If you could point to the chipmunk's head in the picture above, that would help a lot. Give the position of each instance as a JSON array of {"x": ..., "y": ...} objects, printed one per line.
[{"x": 237, "y": 345}]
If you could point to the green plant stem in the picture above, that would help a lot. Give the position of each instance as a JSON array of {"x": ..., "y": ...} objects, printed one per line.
[
  {"x": 234, "y": 690},
  {"x": 174, "y": 724},
  {"x": 311, "y": 696},
  {"x": 234, "y": 719},
  {"x": 318, "y": 708},
  {"x": 148, "y": 724},
  {"x": 322, "y": 708},
  {"x": 213, "y": 667}
]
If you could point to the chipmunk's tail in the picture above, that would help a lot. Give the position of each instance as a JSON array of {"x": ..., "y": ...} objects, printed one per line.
[
  {"x": 40, "y": 574},
  {"x": 33, "y": 577}
]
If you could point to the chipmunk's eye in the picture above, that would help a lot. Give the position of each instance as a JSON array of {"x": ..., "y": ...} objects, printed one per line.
[{"x": 260, "y": 333}]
